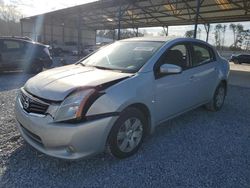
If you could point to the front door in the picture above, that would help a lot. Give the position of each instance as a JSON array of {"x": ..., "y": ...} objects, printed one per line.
[{"x": 173, "y": 93}]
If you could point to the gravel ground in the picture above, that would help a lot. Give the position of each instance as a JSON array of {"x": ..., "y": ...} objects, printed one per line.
[{"x": 197, "y": 149}]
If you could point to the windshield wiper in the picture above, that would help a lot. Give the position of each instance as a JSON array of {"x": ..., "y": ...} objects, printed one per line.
[
  {"x": 105, "y": 68},
  {"x": 100, "y": 67},
  {"x": 81, "y": 64}
]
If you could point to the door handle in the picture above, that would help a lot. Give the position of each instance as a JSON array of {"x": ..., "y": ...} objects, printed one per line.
[{"x": 193, "y": 78}]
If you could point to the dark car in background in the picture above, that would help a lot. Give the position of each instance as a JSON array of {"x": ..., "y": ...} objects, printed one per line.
[
  {"x": 69, "y": 47},
  {"x": 241, "y": 58},
  {"x": 88, "y": 49},
  {"x": 21, "y": 53}
]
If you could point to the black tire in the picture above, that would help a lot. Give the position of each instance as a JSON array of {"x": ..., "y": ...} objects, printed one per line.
[
  {"x": 214, "y": 105},
  {"x": 126, "y": 115},
  {"x": 236, "y": 61},
  {"x": 36, "y": 68}
]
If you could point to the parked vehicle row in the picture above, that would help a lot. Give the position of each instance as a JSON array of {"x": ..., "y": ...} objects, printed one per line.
[
  {"x": 24, "y": 54},
  {"x": 21, "y": 53},
  {"x": 117, "y": 96},
  {"x": 72, "y": 49}
]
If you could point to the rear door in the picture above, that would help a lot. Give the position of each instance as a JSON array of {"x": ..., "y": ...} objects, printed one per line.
[
  {"x": 12, "y": 54},
  {"x": 203, "y": 71}
]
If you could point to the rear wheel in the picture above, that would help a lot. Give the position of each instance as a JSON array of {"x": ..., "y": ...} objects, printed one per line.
[
  {"x": 218, "y": 99},
  {"x": 127, "y": 133}
]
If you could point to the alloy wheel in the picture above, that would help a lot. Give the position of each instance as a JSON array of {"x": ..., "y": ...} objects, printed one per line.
[{"x": 130, "y": 134}]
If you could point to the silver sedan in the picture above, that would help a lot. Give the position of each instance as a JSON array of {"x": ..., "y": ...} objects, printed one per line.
[{"x": 117, "y": 96}]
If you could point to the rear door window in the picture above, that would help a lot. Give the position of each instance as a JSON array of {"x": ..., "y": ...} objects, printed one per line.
[
  {"x": 201, "y": 54},
  {"x": 11, "y": 45}
]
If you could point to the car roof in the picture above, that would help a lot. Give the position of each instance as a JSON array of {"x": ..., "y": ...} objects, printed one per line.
[
  {"x": 165, "y": 39},
  {"x": 153, "y": 39},
  {"x": 16, "y": 38},
  {"x": 22, "y": 39}
]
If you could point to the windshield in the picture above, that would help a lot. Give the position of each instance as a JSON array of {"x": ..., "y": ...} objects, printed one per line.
[{"x": 125, "y": 56}]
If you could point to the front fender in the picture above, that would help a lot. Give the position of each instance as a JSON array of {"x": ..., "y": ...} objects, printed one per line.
[{"x": 134, "y": 90}]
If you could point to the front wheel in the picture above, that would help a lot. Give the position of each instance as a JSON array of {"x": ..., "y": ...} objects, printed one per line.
[
  {"x": 127, "y": 134},
  {"x": 218, "y": 99},
  {"x": 236, "y": 61}
]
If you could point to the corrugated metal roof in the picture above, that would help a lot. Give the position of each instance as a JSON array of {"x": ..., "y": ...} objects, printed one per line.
[{"x": 104, "y": 14}]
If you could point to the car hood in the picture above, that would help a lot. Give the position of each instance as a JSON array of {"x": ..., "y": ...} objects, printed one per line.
[{"x": 57, "y": 83}]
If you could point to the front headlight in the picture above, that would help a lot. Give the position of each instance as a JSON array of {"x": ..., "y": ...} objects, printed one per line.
[{"x": 72, "y": 106}]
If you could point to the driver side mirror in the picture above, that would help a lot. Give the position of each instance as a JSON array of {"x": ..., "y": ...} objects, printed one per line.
[{"x": 170, "y": 69}]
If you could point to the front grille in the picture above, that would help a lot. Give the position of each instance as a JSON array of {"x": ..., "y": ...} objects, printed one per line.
[{"x": 31, "y": 104}]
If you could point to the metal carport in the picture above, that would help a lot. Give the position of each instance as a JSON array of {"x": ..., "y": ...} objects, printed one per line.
[{"x": 117, "y": 14}]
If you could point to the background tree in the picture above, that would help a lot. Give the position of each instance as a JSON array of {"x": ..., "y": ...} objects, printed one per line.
[
  {"x": 125, "y": 33},
  {"x": 189, "y": 34},
  {"x": 247, "y": 40},
  {"x": 9, "y": 19},
  {"x": 217, "y": 35},
  {"x": 162, "y": 33},
  {"x": 233, "y": 28},
  {"x": 199, "y": 33},
  {"x": 224, "y": 27},
  {"x": 239, "y": 35}
]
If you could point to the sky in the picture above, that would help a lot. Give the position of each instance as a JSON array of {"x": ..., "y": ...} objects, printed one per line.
[
  {"x": 34, "y": 7},
  {"x": 180, "y": 31}
]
